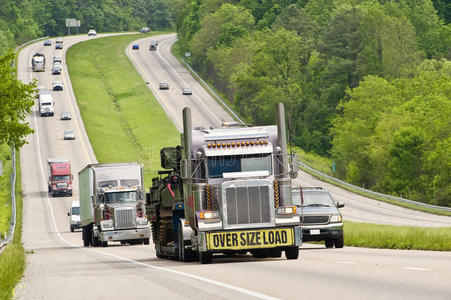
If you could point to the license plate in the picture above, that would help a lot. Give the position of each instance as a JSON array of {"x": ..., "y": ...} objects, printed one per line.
[
  {"x": 314, "y": 231},
  {"x": 250, "y": 239}
]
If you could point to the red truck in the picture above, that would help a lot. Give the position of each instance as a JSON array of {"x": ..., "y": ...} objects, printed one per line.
[{"x": 60, "y": 177}]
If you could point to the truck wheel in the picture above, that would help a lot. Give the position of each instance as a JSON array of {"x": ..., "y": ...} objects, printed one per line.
[
  {"x": 275, "y": 252},
  {"x": 158, "y": 251},
  {"x": 185, "y": 255},
  {"x": 104, "y": 244},
  {"x": 94, "y": 240},
  {"x": 86, "y": 231},
  {"x": 146, "y": 241},
  {"x": 292, "y": 252},
  {"x": 123, "y": 242},
  {"x": 72, "y": 229},
  {"x": 329, "y": 243},
  {"x": 339, "y": 242},
  {"x": 205, "y": 257}
]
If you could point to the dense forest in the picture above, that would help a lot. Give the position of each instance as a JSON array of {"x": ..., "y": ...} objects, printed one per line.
[
  {"x": 24, "y": 20},
  {"x": 367, "y": 82}
]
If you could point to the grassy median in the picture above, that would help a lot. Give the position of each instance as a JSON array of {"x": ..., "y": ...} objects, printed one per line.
[
  {"x": 5, "y": 190},
  {"x": 123, "y": 119},
  {"x": 397, "y": 237},
  {"x": 12, "y": 260}
]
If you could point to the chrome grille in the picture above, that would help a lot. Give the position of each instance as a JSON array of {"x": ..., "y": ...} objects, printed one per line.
[
  {"x": 315, "y": 219},
  {"x": 125, "y": 217},
  {"x": 62, "y": 185},
  {"x": 247, "y": 205}
]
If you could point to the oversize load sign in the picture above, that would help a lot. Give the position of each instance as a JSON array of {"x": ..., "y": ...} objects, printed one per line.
[{"x": 250, "y": 239}]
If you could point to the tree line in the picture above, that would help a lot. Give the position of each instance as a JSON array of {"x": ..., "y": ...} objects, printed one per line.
[
  {"x": 366, "y": 82},
  {"x": 24, "y": 20}
]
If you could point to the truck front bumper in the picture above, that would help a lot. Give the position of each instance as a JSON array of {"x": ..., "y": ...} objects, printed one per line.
[
  {"x": 249, "y": 239},
  {"x": 123, "y": 235}
]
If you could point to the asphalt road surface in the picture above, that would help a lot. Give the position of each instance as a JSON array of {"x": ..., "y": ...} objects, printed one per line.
[{"x": 58, "y": 267}]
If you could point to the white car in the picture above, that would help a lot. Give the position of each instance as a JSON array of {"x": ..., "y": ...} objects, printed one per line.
[
  {"x": 57, "y": 59},
  {"x": 74, "y": 215},
  {"x": 65, "y": 115},
  {"x": 69, "y": 135},
  {"x": 92, "y": 32},
  {"x": 57, "y": 85}
]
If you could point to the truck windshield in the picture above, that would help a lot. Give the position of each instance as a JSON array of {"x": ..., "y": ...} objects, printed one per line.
[
  {"x": 317, "y": 199},
  {"x": 61, "y": 178},
  {"x": 46, "y": 104},
  {"x": 120, "y": 197},
  {"x": 75, "y": 210},
  {"x": 218, "y": 165}
]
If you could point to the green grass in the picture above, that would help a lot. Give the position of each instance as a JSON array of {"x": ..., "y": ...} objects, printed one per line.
[
  {"x": 12, "y": 260},
  {"x": 397, "y": 237},
  {"x": 123, "y": 119},
  {"x": 5, "y": 190}
]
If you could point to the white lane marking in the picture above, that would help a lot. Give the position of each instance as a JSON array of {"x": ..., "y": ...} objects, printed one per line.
[
  {"x": 415, "y": 269},
  {"x": 200, "y": 278},
  {"x": 346, "y": 262}
]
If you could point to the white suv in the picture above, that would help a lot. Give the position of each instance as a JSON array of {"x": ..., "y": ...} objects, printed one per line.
[{"x": 92, "y": 32}]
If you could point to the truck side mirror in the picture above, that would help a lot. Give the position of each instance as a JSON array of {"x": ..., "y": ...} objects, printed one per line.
[
  {"x": 340, "y": 204},
  {"x": 68, "y": 214},
  {"x": 294, "y": 167}
]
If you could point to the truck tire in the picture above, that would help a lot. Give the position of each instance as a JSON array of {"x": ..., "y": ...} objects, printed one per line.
[
  {"x": 339, "y": 242},
  {"x": 104, "y": 244},
  {"x": 72, "y": 229},
  {"x": 94, "y": 240},
  {"x": 260, "y": 253},
  {"x": 205, "y": 257},
  {"x": 329, "y": 242},
  {"x": 158, "y": 251},
  {"x": 86, "y": 234},
  {"x": 292, "y": 252},
  {"x": 185, "y": 255},
  {"x": 146, "y": 241}
]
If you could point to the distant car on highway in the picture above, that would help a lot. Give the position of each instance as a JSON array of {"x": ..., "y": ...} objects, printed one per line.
[
  {"x": 135, "y": 47},
  {"x": 69, "y": 135},
  {"x": 92, "y": 32},
  {"x": 65, "y": 115},
  {"x": 57, "y": 85},
  {"x": 321, "y": 219},
  {"x": 56, "y": 70},
  {"x": 57, "y": 59},
  {"x": 74, "y": 215},
  {"x": 164, "y": 86},
  {"x": 145, "y": 30},
  {"x": 47, "y": 43},
  {"x": 187, "y": 91},
  {"x": 58, "y": 46}
]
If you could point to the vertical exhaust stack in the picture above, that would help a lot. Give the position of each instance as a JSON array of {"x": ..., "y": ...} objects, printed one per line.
[
  {"x": 284, "y": 179},
  {"x": 187, "y": 132}
]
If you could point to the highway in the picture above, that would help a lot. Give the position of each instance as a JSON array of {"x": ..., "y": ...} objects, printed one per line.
[{"x": 59, "y": 267}]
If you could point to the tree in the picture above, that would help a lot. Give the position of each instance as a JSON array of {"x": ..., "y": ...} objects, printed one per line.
[{"x": 16, "y": 101}]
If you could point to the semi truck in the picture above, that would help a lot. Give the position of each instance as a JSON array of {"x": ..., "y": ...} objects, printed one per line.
[
  {"x": 225, "y": 190},
  {"x": 112, "y": 204},
  {"x": 38, "y": 62},
  {"x": 60, "y": 177}
]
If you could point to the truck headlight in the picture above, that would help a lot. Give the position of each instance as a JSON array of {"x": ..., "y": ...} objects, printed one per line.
[
  {"x": 287, "y": 210},
  {"x": 208, "y": 215},
  {"x": 107, "y": 224},
  {"x": 141, "y": 221},
  {"x": 336, "y": 218}
]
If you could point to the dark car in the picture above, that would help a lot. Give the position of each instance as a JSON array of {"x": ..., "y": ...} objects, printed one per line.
[
  {"x": 48, "y": 43},
  {"x": 59, "y": 46},
  {"x": 135, "y": 47},
  {"x": 187, "y": 91},
  {"x": 321, "y": 219},
  {"x": 164, "y": 86},
  {"x": 145, "y": 30}
]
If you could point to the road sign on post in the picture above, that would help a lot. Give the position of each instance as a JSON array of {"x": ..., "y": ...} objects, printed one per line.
[{"x": 73, "y": 23}]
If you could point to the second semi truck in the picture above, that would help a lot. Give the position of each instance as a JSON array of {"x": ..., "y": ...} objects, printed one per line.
[{"x": 112, "y": 206}]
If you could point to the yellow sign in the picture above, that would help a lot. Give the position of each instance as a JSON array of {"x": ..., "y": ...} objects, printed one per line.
[{"x": 250, "y": 239}]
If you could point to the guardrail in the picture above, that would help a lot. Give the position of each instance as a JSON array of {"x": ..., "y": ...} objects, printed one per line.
[
  {"x": 336, "y": 180},
  {"x": 12, "y": 225}
]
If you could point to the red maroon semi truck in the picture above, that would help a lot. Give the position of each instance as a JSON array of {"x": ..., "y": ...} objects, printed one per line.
[{"x": 60, "y": 177}]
